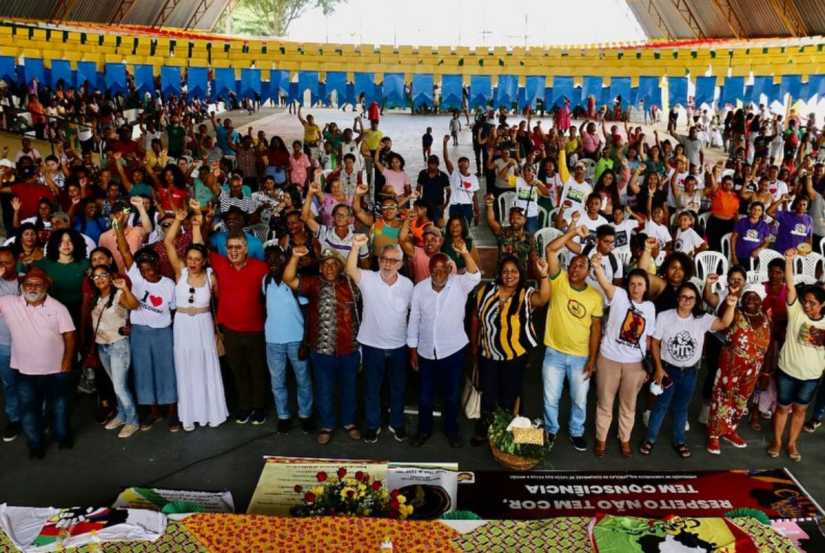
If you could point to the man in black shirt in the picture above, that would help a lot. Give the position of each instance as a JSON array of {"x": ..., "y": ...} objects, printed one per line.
[{"x": 434, "y": 189}]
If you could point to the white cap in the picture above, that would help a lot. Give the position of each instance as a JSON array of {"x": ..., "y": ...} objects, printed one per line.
[{"x": 6, "y": 163}]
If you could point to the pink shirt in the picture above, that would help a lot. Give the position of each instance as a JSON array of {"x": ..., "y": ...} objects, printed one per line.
[
  {"x": 590, "y": 142},
  {"x": 134, "y": 238},
  {"x": 36, "y": 334},
  {"x": 397, "y": 179},
  {"x": 298, "y": 169}
]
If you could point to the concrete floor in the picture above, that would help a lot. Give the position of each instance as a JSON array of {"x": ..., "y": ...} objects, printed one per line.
[{"x": 230, "y": 457}]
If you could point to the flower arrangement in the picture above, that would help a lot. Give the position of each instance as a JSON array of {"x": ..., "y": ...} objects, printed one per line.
[{"x": 354, "y": 495}]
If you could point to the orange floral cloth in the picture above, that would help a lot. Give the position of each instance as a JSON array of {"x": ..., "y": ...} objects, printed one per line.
[{"x": 226, "y": 533}]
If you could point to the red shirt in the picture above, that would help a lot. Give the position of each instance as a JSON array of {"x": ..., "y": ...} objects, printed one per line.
[
  {"x": 240, "y": 303},
  {"x": 171, "y": 198},
  {"x": 30, "y": 194}
]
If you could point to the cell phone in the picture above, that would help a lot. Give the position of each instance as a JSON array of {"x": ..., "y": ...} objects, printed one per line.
[{"x": 666, "y": 382}]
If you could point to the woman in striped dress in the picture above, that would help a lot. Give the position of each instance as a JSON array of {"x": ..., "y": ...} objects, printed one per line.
[{"x": 502, "y": 335}]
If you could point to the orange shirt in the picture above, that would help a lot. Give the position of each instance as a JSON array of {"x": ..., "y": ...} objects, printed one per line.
[{"x": 724, "y": 205}]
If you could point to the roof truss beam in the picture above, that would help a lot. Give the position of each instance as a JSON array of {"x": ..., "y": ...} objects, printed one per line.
[
  {"x": 165, "y": 11},
  {"x": 731, "y": 18},
  {"x": 123, "y": 7},
  {"x": 683, "y": 7},
  {"x": 661, "y": 23},
  {"x": 788, "y": 13}
]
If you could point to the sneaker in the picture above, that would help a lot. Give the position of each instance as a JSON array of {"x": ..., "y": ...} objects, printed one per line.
[
  {"x": 371, "y": 436},
  {"x": 148, "y": 423},
  {"x": 646, "y": 417},
  {"x": 258, "y": 417},
  {"x": 579, "y": 443},
  {"x": 812, "y": 425},
  {"x": 188, "y": 427},
  {"x": 173, "y": 425},
  {"x": 284, "y": 425},
  {"x": 398, "y": 433},
  {"x": 713, "y": 446},
  {"x": 11, "y": 432},
  {"x": 307, "y": 426},
  {"x": 242, "y": 417},
  {"x": 114, "y": 424},
  {"x": 127, "y": 431},
  {"x": 735, "y": 440},
  {"x": 704, "y": 413}
]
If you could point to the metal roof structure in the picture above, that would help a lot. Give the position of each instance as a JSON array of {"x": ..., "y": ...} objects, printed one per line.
[
  {"x": 184, "y": 14},
  {"x": 698, "y": 19}
]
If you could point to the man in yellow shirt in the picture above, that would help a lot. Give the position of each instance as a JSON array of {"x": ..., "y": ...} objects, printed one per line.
[
  {"x": 312, "y": 133},
  {"x": 572, "y": 335},
  {"x": 370, "y": 142}
]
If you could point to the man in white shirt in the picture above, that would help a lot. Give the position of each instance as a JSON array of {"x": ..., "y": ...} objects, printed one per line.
[
  {"x": 463, "y": 188},
  {"x": 382, "y": 334},
  {"x": 437, "y": 341}
]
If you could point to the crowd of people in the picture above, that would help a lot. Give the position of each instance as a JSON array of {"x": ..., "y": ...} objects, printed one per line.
[{"x": 142, "y": 257}]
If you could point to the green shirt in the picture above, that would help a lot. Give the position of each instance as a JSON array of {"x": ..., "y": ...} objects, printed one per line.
[
  {"x": 67, "y": 278},
  {"x": 141, "y": 189}
]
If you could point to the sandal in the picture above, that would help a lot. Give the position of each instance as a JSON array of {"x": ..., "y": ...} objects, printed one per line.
[
  {"x": 793, "y": 454},
  {"x": 682, "y": 450},
  {"x": 773, "y": 451},
  {"x": 646, "y": 448},
  {"x": 353, "y": 432},
  {"x": 812, "y": 425},
  {"x": 324, "y": 436}
]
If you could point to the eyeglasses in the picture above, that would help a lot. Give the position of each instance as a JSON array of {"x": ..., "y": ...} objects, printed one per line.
[
  {"x": 191, "y": 295},
  {"x": 687, "y": 298},
  {"x": 100, "y": 276},
  {"x": 389, "y": 260}
]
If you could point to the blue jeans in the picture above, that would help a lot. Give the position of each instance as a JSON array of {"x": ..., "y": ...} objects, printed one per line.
[
  {"x": 115, "y": 359},
  {"x": 377, "y": 362},
  {"x": 53, "y": 389},
  {"x": 819, "y": 406},
  {"x": 154, "y": 363},
  {"x": 335, "y": 375},
  {"x": 678, "y": 395},
  {"x": 556, "y": 367},
  {"x": 9, "y": 378},
  {"x": 446, "y": 374},
  {"x": 276, "y": 356}
]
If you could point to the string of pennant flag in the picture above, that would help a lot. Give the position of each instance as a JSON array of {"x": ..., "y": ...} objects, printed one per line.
[{"x": 420, "y": 90}]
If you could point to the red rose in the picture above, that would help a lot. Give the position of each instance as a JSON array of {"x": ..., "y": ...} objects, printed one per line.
[
  {"x": 359, "y": 475},
  {"x": 298, "y": 488},
  {"x": 394, "y": 494},
  {"x": 376, "y": 485},
  {"x": 309, "y": 497},
  {"x": 321, "y": 476},
  {"x": 341, "y": 473},
  {"x": 394, "y": 504}
]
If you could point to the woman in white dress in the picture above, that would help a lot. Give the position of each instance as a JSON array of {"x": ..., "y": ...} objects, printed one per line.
[{"x": 201, "y": 397}]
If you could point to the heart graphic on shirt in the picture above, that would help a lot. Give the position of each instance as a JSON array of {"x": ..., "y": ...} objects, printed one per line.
[{"x": 156, "y": 300}]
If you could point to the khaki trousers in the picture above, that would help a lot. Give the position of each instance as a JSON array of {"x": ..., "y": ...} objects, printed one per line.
[{"x": 624, "y": 380}]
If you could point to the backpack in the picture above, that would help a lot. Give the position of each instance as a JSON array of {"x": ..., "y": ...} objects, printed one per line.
[{"x": 614, "y": 262}]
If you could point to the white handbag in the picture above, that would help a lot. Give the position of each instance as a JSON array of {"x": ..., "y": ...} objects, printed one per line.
[{"x": 471, "y": 397}]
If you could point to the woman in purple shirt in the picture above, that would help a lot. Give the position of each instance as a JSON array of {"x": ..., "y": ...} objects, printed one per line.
[
  {"x": 795, "y": 225},
  {"x": 750, "y": 235}
]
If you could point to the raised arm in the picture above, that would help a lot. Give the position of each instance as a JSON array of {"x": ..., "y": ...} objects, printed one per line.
[
  {"x": 553, "y": 248},
  {"x": 169, "y": 241},
  {"x": 377, "y": 160},
  {"x": 124, "y": 178},
  {"x": 711, "y": 298},
  {"x": 306, "y": 211},
  {"x": 730, "y": 310},
  {"x": 608, "y": 287},
  {"x": 775, "y": 205},
  {"x": 119, "y": 225},
  {"x": 358, "y": 242},
  {"x": 301, "y": 117},
  {"x": 127, "y": 298},
  {"x": 461, "y": 248},
  {"x": 657, "y": 283},
  {"x": 357, "y": 210},
  {"x": 290, "y": 277},
  {"x": 542, "y": 273},
  {"x": 145, "y": 221},
  {"x": 404, "y": 239},
  {"x": 791, "y": 297},
  {"x": 447, "y": 162},
  {"x": 495, "y": 226}
]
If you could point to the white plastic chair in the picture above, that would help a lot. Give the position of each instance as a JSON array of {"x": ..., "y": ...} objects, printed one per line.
[
  {"x": 808, "y": 268},
  {"x": 545, "y": 236},
  {"x": 822, "y": 246},
  {"x": 505, "y": 202},
  {"x": 544, "y": 218},
  {"x": 710, "y": 262},
  {"x": 702, "y": 222},
  {"x": 726, "y": 245},
  {"x": 765, "y": 256}
]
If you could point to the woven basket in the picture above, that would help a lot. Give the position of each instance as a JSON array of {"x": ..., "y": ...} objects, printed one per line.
[{"x": 512, "y": 462}]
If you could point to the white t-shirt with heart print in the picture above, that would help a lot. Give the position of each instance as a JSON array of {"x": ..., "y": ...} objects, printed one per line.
[{"x": 157, "y": 300}]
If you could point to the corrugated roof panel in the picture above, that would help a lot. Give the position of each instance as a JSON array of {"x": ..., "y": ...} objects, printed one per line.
[
  {"x": 758, "y": 18},
  {"x": 814, "y": 13},
  {"x": 33, "y": 9},
  {"x": 92, "y": 10},
  {"x": 711, "y": 20}
]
